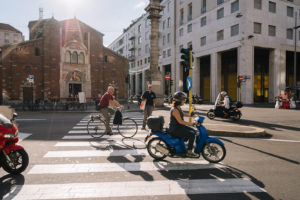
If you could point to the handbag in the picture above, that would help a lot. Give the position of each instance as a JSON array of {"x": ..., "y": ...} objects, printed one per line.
[
  {"x": 118, "y": 118},
  {"x": 143, "y": 105}
]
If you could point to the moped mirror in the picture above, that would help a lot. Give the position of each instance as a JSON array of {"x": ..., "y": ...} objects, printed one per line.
[{"x": 14, "y": 116}]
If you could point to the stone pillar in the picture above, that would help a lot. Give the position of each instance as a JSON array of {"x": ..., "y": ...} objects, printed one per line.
[
  {"x": 274, "y": 74},
  {"x": 196, "y": 77},
  {"x": 137, "y": 83},
  {"x": 154, "y": 8},
  {"x": 215, "y": 74},
  {"x": 246, "y": 67}
]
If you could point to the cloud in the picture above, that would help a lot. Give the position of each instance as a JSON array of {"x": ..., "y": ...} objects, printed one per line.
[{"x": 141, "y": 4}]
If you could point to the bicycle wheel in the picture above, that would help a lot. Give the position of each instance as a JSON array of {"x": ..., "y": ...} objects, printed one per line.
[
  {"x": 96, "y": 127},
  {"x": 128, "y": 128}
]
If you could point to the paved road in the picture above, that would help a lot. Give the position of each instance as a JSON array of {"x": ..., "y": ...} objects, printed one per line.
[{"x": 65, "y": 163}]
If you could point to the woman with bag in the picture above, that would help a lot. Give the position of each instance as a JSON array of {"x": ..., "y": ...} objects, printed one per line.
[{"x": 148, "y": 99}]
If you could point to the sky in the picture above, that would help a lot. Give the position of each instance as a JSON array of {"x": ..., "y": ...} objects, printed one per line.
[{"x": 109, "y": 17}]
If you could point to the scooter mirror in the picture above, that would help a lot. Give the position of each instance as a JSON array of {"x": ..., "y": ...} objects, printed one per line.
[{"x": 14, "y": 116}]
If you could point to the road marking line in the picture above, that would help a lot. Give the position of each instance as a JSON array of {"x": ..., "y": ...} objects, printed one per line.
[
  {"x": 278, "y": 140},
  {"x": 31, "y": 119},
  {"x": 134, "y": 188},
  {"x": 102, "y": 131},
  {"x": 92, "y": 127},
  {"x": 23, "y": 136},
  {"x": 273, "y": 140},
  {"x": 121, "y": 167},
  {"x": 95, "y": 153},
  {"x": 135, "y": 143}
]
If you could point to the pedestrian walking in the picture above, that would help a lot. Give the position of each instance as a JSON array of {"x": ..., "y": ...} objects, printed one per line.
[
  {"x": 108, "y": 100},
  {"x": 150, "y": 98}
]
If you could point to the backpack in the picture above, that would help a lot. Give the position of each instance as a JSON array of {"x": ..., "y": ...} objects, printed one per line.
[{"x": 118, "y": 118}]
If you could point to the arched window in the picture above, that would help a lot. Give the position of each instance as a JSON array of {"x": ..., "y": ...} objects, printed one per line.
[
  {"x": 74, "y": 58},
  {"x": 81, "y": 58},
  {"x": 68, "y": 57}
]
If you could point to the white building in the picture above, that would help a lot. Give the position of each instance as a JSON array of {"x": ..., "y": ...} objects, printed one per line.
[
  {"x": 9, "y": 35},
  {"x": 229, "y": 38}
]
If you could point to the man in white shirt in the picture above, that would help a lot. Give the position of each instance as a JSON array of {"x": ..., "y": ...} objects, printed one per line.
[{"x": 226, "y": 102}]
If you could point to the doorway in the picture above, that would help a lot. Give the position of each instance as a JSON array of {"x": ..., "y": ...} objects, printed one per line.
[
  {"x": 74, "y": 89},
  {"x": 261, "y": 75},
  {"x": 27, "y": 94},
  {"x": 205, "y": 78},
  {"x": 229, "y": 73}
]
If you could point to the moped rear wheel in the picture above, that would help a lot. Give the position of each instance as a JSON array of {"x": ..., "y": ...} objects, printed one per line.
[
  {"x": 16, "y": 162},
  {"x": 211, "y": 115},
  {"x": 153, "y": 151},
  {"x": 236, "y": 116},
  {"x": 213, "y": 152}
]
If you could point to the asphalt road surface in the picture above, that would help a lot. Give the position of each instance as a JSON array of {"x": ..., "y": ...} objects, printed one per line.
[{"x": 66, "y": 163}]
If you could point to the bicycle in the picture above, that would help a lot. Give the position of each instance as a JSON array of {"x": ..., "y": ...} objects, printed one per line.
[{"x": 96, "y": 127}]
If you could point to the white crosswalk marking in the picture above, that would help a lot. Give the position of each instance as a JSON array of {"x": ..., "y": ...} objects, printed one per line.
[{"x": 86, "y": 157}]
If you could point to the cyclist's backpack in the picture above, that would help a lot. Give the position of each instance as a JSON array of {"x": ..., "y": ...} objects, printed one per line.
[{"x": 118, "y": 118}]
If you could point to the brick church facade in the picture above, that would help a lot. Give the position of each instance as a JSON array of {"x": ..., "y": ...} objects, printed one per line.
[{"x": 63, "y": 58}]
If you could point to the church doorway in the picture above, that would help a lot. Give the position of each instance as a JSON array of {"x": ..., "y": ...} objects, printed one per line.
[
  {"x": 74, "y": 89},
  {"x": 27, "y": 94}
]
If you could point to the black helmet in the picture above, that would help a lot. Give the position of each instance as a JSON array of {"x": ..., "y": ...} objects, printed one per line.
[{"x": 179, "y": 96}]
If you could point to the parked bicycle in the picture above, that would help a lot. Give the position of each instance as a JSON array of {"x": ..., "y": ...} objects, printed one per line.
[{"x": 96, "y": 127}]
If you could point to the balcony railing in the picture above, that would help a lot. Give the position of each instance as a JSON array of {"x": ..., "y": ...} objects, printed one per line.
[
  {"x": 131, "y": 47},
  {"x": 131, "y": 57},
  {"x": 132, "y": 36}
]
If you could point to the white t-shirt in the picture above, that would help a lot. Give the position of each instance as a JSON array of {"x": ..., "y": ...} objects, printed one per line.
[{"x": 226, "y": 102}]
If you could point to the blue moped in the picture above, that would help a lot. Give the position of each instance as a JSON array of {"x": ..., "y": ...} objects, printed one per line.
[{"x": 163, "y": 145}]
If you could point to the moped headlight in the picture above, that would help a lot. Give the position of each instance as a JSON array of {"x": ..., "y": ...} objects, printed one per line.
[{"x": 9, "y": 136}]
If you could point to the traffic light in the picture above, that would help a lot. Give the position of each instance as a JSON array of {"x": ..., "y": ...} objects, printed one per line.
[
  {"x": 186, "y": 57},
  {"x": 171, "y": 82}
]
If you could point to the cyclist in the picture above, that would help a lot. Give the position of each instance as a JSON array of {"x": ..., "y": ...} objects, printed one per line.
[
  {"x": 178, "y": 127},
  {"x": 106, "y": 100}
]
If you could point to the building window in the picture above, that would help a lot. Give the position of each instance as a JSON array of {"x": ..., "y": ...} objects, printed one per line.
[
  {"x": 181, "y": 32},
  {"x": 257, "y": 4},
  {"x": 74, "y": 58},
  {"x": 169, "y": 38},
  {"x": 169, "y": 52},
  {"x": 234, "y": 30},
  {"x": 289, "y": 33},
  {"x": 68, "y": 57},
  {"x": 6, "y": 38},
  {"x": 164, "y": 40},
  {"x": 145, "y": 61},
  {"x": 220, "y": 35},
  {"x": 106, "y": 59},
  {"x": 290, "y": 11},
  {"x": 203, "y": 8},
  {"x": 220, "y": 13},
  {"x": 139, "y": 51},
  {"x": 181, "y": 17},
  {"x": 190, "y": 28},
  {"x": 272, "y": 7},
  {"x": 220, "y": 2},
  {"x": 190, "y": 45},
  {"x": 203, "y": 21},
  {"x": 169, "y": 22},
  {"x": 257, "y": 28},
  {"x": 164, "y": 54},
  {"x": 190, "y": 13},
  {"x": 139, "y": 40},
  {"x": 203, "y": 41},
  {"x": 139, "y": 28},
  {"x": 147, "y": 49},
  {"x": 180, "y": 47},
  {"x": 235, "y": 6},
  {"x": 272, "y": 30},
  {"x": 85, "y": 36},
  {"x": 81, "y": 58},
  {"x": 37, "y": 52},
  {"x": 164, "y": 25}
]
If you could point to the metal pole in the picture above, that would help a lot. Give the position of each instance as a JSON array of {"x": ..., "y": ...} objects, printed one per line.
[
  {"x": 190, "y": 92},
  {"x": 295, "y": 56}
]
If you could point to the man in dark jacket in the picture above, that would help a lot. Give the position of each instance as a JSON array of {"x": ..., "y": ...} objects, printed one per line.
[{"x": 150, "y": 98}]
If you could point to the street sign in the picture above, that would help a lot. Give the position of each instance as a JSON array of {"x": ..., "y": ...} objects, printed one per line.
[
  {"x": 189, "y": 83},
  {"x": 167, "y": 77},
  {"x": 241, "y": 78},
  {"x": 31, "y": 78}
]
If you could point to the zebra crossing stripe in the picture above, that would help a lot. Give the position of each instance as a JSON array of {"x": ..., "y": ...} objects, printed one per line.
[
  {"x": 114, "y": 127},
  {"x": 95, "y": 153},
  {"x": 121, "y": 167},
  {"x": 134, "y": 188},
  {"x": 135, "y": 143},
  {"x": 82, "y": 137},
  {"x": 114, "y": 131}
]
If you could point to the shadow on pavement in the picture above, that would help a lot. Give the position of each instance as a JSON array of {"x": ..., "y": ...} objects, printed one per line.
[
  {"x": 10, "y": 185},
  {"x": 269, "y": 154}
]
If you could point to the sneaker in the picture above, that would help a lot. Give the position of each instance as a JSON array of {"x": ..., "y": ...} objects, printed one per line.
[{"x": 192, "y": 155}]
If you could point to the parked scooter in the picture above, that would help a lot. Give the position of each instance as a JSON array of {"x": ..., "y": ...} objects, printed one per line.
[
  {"x": 163, "y": 145},
  {"x": 218, "y": 110},
  {"x": 13, "y": 157}
]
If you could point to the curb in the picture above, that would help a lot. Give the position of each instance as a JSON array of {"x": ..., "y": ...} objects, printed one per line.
[{"x": 256, "y": 133}]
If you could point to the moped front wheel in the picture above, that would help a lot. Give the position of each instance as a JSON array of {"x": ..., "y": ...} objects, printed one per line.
[
  {"x": 213, "y": 152},
  {"x": 15, "y": 162},
  {"x": 155, "y": 147},
  {"x": 211, "y": 115}
]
